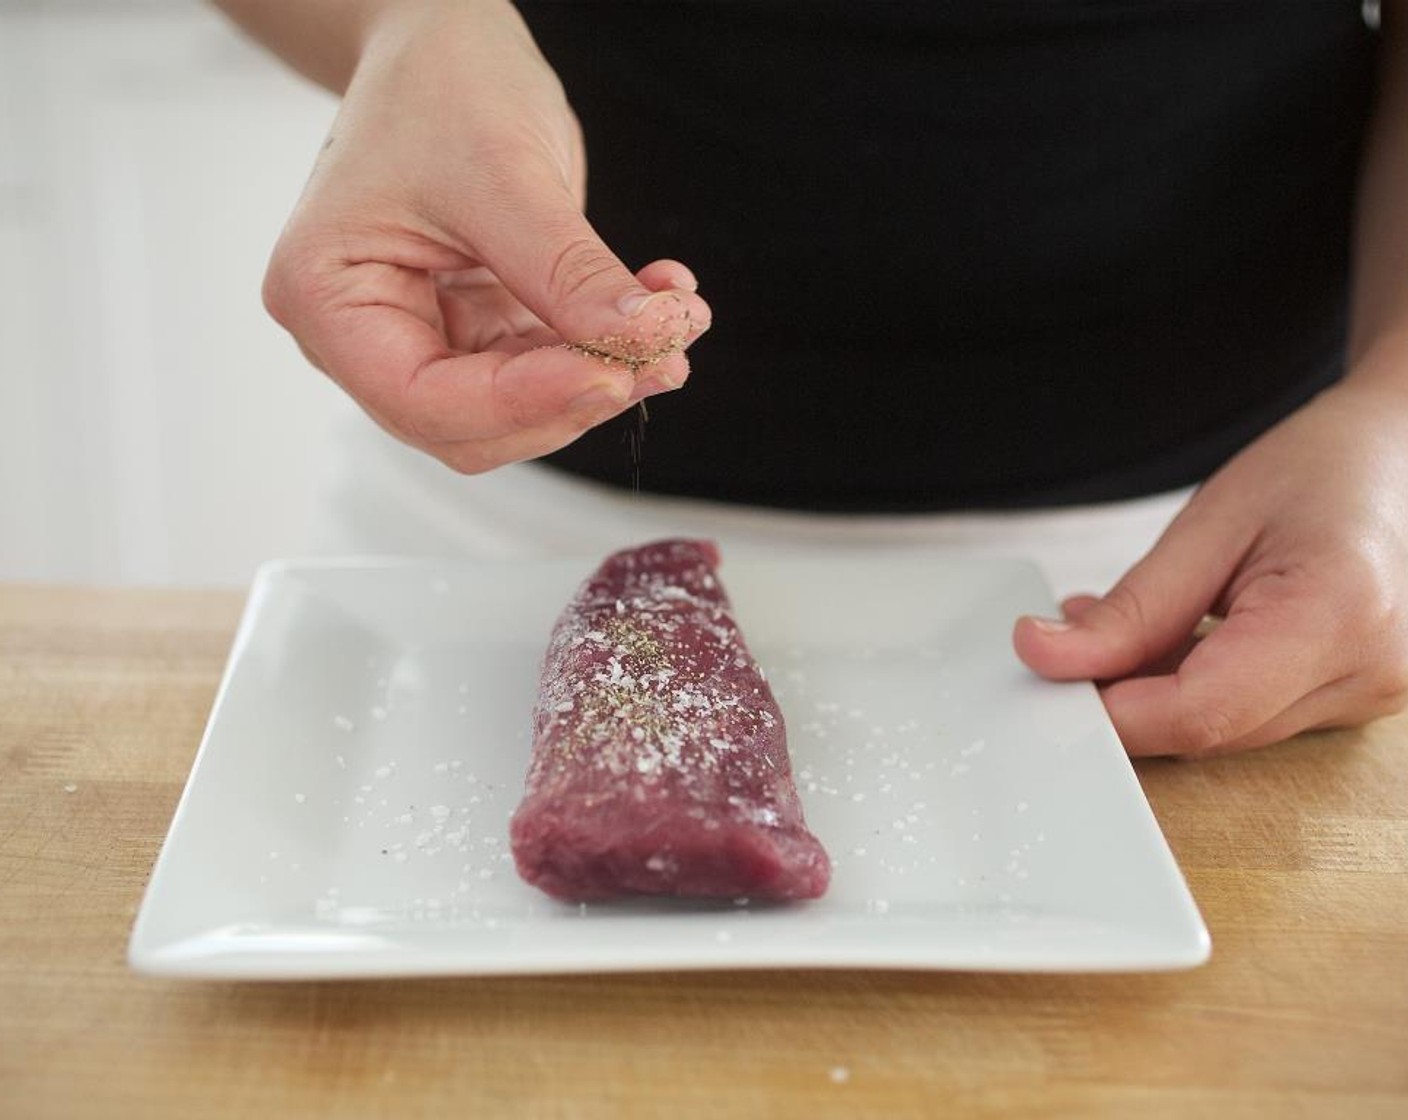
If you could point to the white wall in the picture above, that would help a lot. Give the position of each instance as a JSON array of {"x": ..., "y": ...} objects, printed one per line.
[{"x": 155, "y": 426}]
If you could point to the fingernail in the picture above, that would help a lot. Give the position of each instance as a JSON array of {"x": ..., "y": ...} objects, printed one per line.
[
  {"x": 652, "y": 386},
  {"x": 1049, "y": 625},
  {"x": 671, "y": 380},
  {"x": 1207, "y": 625},
  {"x": 599, "y": 400},
  {"x": 633, "y": 303}
]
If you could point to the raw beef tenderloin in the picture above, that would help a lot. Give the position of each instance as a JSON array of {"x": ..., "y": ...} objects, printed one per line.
[{"x": 660, "y": 761}]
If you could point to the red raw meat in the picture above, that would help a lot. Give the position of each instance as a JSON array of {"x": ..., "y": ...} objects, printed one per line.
[{"x": 660, "y": 760}]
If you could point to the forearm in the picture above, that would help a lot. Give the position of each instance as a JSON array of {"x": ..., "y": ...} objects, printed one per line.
[
  {"x": 325, "y": 39},
  {"x": 321, "y": 39},
  {"x": 1378, "y": 343}
]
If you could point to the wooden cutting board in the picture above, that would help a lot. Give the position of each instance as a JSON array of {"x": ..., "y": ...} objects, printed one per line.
[{"x": 1298, "y": 856}]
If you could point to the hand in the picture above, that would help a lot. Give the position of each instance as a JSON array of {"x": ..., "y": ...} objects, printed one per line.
[
  {"x": 439, "y": 258},
  {"x": 1300, "y": 543}
]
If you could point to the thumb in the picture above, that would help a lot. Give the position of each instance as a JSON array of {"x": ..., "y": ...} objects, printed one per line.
[
  {"x": 1149, "y": 613},
  {"x": 544, "y": 251}
]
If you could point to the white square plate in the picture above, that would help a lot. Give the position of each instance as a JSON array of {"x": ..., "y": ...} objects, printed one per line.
[{"x": 347, "y": 811}]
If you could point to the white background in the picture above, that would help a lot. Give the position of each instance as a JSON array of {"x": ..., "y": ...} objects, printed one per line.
[{"x": 155, "y": 425}]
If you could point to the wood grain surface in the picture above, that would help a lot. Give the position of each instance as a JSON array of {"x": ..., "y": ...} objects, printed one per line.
[{"x": 1296, "y": 854}]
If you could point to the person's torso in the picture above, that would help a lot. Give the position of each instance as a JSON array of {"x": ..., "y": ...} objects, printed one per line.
[{"x": 973, "y": 253}]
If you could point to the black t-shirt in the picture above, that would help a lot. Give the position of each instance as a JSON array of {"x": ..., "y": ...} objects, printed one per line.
[{"x": 976, "y": 253}]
